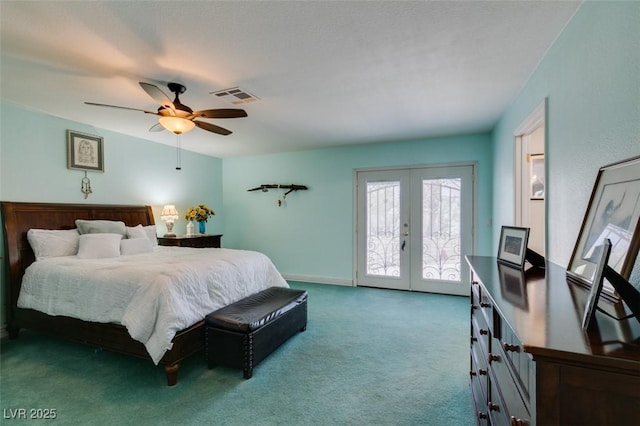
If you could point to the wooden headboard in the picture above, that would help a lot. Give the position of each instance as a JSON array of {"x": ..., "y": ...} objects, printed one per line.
[{"x": 18, "y": 218}]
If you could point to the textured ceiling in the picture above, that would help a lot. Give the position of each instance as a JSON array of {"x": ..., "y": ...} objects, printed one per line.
[{"x": 326, "y": 73}]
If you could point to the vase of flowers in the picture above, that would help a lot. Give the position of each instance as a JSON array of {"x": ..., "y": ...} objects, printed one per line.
[{"x": 200, "y": 214}]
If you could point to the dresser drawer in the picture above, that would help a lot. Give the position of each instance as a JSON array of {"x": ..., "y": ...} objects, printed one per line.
[
  {"x": 479, "y": 372},
  {"x": 480, "y": 331},
  {"x": 480, "y": 334},
  {"x": 511, "y": 401},
  {"x": 496, "y": 406},
  {"x": 483, "y": 302},
  {"x": 519, "y": 361},
  {"x": 479, "y": 402}
]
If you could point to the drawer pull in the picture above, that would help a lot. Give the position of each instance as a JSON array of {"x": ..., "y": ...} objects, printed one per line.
[
  {"x": 482, "y": 415},
  {"x": 493, "y": 357},
  {"x": 493, "y": 406},
  {"x": 484, "y": 331},
  {"x": 474, "y": 282},
  {"x": 511, "y": 348},
  {"x": 474, "y": 339},
  {"x": 485, "y": 304},
  {"x": 482, "y": 372},
  {"x": 472, "y": 373},
  {"x": 518, "y": 422}
]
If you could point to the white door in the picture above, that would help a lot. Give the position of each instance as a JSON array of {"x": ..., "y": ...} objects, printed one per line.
[
  {"x": 414, "y": 227},
  {"x": 530, "y": 174}
]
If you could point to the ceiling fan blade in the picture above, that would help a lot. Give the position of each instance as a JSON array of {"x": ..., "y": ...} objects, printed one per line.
[
  {"x": 156, "y": 128},
  {"x": 157, "y": 94},
  {"x": 121, "y": 107},
  {"x": 220, "y": 113},
  {"x": 212, "y": 128}
]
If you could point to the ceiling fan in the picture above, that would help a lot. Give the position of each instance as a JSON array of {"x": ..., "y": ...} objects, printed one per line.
[{"x": 177, "y": 117}]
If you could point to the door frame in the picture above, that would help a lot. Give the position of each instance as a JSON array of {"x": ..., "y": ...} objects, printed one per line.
[
  {"x": 474, "y": 203},
  {"x": 537, "y": 118}
]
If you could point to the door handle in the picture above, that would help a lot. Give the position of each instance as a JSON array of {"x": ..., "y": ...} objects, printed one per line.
[{"x": 404, "y": 243}]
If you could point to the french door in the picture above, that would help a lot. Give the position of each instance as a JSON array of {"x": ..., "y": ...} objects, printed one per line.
[{"x": 414, "y": 227}]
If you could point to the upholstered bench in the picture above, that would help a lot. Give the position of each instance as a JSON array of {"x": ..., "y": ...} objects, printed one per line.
[{"x": 243, "y": 333}]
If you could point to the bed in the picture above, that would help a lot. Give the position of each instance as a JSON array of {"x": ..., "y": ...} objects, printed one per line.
[{"x": 19, "y": 218}]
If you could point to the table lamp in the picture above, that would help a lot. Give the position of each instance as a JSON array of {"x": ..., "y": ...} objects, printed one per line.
[{"x": 169, "y": 215}]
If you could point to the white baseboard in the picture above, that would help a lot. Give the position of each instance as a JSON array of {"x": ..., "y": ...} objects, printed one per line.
[{"x": 318, "y": 280}]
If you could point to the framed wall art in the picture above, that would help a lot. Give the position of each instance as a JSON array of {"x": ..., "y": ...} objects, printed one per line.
[
  {"x": 513, "y": 245},
  {"x": 536, "y": 177},
  {"x": 613, "y": 213},
  {"x": 85, "y": 152}
]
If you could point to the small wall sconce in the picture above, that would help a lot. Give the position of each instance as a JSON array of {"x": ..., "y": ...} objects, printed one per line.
[
  {"x": 85, "y": 186},
  {"x": 169, "y": 215}
]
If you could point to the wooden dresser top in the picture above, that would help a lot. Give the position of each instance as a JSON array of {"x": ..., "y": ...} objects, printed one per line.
[{"x": 545, "y": 310}]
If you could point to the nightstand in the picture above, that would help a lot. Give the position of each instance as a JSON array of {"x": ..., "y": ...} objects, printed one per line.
[{"x": 198, "y": 241}]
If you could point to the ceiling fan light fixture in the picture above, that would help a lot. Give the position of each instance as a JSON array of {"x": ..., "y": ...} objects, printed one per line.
[
  {"x": 176, "y": 125},
  {"x": 177, "y": 117}
]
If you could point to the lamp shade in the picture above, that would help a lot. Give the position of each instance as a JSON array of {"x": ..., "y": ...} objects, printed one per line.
[
  {"x": 176, "y": 125},
  {"x": 169, "y": 213}
]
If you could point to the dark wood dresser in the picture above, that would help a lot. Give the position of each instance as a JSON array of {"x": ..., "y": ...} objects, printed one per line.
[
  {"x": 198, "y": 241},
  {"x": 531, "y": 363}
]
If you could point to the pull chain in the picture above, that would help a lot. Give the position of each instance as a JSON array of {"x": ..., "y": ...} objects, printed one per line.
[{"x": 179, "y": 152}]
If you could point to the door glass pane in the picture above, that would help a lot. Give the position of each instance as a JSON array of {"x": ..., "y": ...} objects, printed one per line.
[
  {"x": 383, "y": 228},
  {"x": 441, "y": 229}
]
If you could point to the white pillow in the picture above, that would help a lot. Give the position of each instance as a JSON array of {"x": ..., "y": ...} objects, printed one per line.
[
  {"x": 135, "y": 246},
  {"x": 99, "y": 246},
  {"x": 136, "y": 232},
  {"x": 148, "y": 232},
  {"x": 53, "y": 243},
  {"x": 101, "y": 227},
  {"x": 152, "y": 234}
]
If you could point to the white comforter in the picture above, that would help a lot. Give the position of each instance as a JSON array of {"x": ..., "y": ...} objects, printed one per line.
[{"x": 153, "y": 295}]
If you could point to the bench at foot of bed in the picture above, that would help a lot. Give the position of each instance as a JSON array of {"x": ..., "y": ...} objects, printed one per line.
[{"x": 242, "y": 334}]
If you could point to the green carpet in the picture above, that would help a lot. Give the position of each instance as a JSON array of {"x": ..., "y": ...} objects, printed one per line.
[{"x": 368, "y": 357}]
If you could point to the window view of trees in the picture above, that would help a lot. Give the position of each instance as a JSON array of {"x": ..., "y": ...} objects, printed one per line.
[
  {"x": 383, "y": 228},
  {"x": 441, "y": 238},
  {"x": 441, "y": 229}
]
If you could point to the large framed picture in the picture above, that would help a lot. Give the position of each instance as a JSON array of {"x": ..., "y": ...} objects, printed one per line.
[
  {"x": 85, "y": 152},
  {"x": 513, "y": 245},
  {"x": 614, "y": 213}
]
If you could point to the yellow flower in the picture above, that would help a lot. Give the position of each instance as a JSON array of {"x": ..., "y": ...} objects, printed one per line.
[{"x": 199, "y": 213}]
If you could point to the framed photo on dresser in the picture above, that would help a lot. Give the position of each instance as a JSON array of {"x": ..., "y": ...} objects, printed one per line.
[
  {"x": 613, "y": 213},
  {"x": 513, "y": 245},
  {"x": 589, "y": 317}
]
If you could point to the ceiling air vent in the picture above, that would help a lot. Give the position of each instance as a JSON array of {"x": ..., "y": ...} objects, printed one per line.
[{"x": 235, "y": 95}]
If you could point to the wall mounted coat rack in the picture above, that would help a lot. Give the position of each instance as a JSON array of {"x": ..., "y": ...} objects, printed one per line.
[{"x": 267, "y": 187}]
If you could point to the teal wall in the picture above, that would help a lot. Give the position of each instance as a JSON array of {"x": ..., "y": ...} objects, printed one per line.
[
  {"x": 33, "y": 167},
  {"x": 311, "y": 235},
  {"x": 591, "y": 77}
]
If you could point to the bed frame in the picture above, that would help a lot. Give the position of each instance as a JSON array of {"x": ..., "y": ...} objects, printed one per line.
[{"x": 18, "y": 218}]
